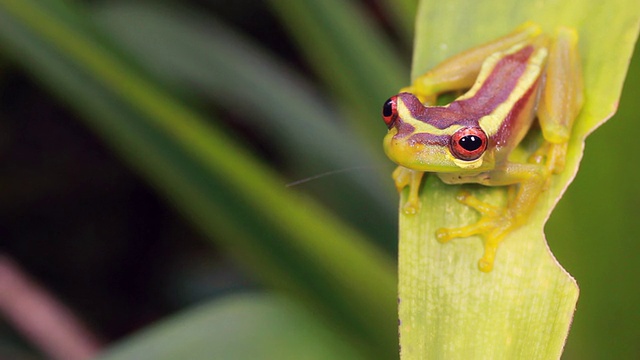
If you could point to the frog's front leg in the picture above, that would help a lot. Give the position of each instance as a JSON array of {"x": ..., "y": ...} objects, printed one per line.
[
  {"x": 496, "y": 222},
  {"x": 403, "y": 177}
]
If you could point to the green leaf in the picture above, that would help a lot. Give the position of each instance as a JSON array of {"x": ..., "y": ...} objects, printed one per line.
[
  {"x": 523, "y": 308},
  {"x": 287, "y": 240},
  {"x": 240, "y": 327}
]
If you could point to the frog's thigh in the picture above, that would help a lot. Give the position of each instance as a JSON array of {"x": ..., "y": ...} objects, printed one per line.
[{"x": 562, "y": 95}]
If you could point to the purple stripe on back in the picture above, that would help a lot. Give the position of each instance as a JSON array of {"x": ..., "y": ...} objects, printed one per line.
[
  {"x": 494, "y": 91},
  {"x": 511, "y": 127},
  {"x": 498, "y": 85}
]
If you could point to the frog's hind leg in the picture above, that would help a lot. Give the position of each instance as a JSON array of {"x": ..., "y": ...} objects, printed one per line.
[{"x": 561, "y": 99}]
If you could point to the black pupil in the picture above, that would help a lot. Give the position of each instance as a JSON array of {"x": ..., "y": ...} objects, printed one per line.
[
  {"x": 470, "y": 142},
  {"x": 387, "y": 109}
]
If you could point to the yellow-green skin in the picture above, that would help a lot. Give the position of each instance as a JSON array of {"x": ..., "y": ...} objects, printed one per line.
[
  {"x": 500, "y": 103},
  {"x": 512, "y": 80}
]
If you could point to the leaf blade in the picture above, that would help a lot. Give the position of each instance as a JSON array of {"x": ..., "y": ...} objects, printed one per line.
[{"x": 524, "y": 307}]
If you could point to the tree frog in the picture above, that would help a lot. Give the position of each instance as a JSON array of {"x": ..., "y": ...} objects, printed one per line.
[{"x": 511, "y": 81}]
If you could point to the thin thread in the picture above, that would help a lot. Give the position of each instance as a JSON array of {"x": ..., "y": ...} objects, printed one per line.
[{"x": 328, "y": 173}]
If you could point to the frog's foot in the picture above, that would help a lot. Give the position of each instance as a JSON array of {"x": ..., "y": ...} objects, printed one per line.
[
  {"x": 551, "y": 155},
  {"x": 404, "y": 177},
  {"x": 556, "y": 158},
  {"x": 493, "y": 226}
]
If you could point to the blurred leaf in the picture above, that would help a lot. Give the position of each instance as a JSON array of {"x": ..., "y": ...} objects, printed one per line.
[
  {"x": 353, "y": 57},
  {"x": 237, "y": 327},
  {"x": 523, "y": 308},
  {"x": 403, "y": 15},
  {"x": 192, "y": 50},
  {"x": 285, "y": 239}
]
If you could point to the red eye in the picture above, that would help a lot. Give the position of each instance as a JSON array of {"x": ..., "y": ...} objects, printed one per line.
[
  {"x": 468, "y": 143},
  {"x": 389, "y": 111}
]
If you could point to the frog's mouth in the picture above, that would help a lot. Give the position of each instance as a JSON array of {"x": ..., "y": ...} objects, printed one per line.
[
  {"x": 429, "y": 153},
  {"x": 417, "y": 155},
  {"x": 473, "y": 164}
]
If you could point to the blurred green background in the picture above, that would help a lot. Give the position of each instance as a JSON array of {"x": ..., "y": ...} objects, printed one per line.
[{"x": 145, "y": 148}]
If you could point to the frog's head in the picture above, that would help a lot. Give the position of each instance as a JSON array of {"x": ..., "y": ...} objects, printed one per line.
[{"x": 433, "y": 138}]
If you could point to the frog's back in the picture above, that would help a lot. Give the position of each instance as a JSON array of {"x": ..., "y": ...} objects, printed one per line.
[{"x": 502, "y": 101}]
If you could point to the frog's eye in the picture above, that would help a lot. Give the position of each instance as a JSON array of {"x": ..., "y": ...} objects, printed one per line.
[
  {"x": 468, "y": 143},
  {"x": 390, "y": 111}
]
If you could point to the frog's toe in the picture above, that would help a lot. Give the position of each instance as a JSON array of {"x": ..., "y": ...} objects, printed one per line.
[
  {"x": 483, "y": 226},
  {"x": 485, "y": 264},
  {"x": 466, "y": 198},
  {"x": 412, "y": 206},
  {"x": 491, "y": 229},
  {"x": 445, "y": 235}
]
